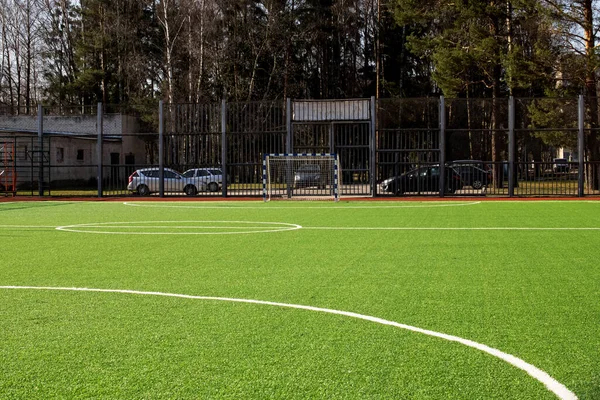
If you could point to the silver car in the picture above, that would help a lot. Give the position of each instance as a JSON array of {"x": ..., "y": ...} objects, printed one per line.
[
  {"x": 211, "y": 178},
  {"x": 145, "y": 181}
]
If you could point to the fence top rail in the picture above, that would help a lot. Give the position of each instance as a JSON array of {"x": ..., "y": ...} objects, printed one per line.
[
  {"x": 434, "y": 150},
  {"x": 546, "y": 129},
  {"x": 408, "y": 129}
]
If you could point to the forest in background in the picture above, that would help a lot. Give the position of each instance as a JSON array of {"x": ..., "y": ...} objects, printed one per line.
[{"x": 134, "y": 52}]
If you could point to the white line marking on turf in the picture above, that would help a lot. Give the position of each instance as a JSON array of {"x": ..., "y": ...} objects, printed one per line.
[
  {"x": 560, "y": 390},
  {"x": 28, "y": 226},
  {"x": 251, "y": 227},
  {"x": 491, "y": 228},
  {"x": 266, "y": 227},
  {"x": 174, "y": 227},
  {"x": 269, "y": 207}
]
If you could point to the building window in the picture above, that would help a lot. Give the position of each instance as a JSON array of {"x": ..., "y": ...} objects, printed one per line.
[
  {"x": 24, "y": 154},
  {"x": 60, "y": 154},
  {"x": 79, "y": 154},
  {"x": 129, "y": 159}
]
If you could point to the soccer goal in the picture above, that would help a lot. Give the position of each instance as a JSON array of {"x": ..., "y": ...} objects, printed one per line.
[{"x": 301, "y": 176}]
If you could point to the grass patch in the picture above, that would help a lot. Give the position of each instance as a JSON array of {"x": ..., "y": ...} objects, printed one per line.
[{"x": 531, "y": 293}]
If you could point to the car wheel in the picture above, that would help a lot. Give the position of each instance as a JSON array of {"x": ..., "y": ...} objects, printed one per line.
[
  {"x": 213, "y": 187},
  {"x": 477, "y": 184},
  {"x": 190, "y": 190},
  {"x": 143, "y": 190}
]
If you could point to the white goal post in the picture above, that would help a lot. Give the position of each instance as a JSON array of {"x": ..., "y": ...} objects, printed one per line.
[{"x": 301, "y": 176}]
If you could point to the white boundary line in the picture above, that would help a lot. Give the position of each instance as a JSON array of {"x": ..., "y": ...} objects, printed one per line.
[
  {"x": 270, "y": 207},
  {"x": 265, "y": 228},
  {"x": 560, "y": 390},
  {"x": 28, "y": 226},
  {"x": 480, "y": 228}
]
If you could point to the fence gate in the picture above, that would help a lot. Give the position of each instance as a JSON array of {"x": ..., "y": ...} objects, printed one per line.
[{"x": 342, "y": 127}]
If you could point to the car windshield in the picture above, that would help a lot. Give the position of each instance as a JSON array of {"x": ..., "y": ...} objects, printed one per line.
[{"x": 188, "y": 174}]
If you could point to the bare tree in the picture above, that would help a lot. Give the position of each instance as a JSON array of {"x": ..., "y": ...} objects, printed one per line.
[{"x": 171, "y": 20}]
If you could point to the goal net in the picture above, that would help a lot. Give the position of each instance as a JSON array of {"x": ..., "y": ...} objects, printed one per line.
[{"x": 301, "y": 176}]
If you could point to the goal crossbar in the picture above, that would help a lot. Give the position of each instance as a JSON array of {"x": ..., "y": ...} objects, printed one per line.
[{"x": 301, "y": 176}]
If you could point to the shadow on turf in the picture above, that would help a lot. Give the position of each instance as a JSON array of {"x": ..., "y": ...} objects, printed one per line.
[{"x": 27, "y": 205}]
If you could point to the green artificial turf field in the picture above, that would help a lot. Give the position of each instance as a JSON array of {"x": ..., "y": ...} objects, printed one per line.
[{"x": 515, "y": 285}]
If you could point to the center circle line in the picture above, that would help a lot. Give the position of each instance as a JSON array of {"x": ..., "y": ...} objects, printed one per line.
[
  {"x": 245, "y": 227},
  {"x": 560, "y": 390}
]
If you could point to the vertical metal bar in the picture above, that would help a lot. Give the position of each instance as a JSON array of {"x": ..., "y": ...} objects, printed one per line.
[
  {"x": 161, "y": 149},
  {"x": 511, "y": 146},
  {"x": 372, "y": 147},
  {"x": 580, "y": 147},
  {"x": 336, "y": 178},
  {"x": 289, "y": 145},
  {"x": 264, "y": 177},
  {"x": 99, "y": 130},
  {"x": 49, "y": 177},
  {"x": 442, "y": 118},
  {"x": 288, "y": 126},
  {"x": 331, "y": 139},
  {"x": 40, "y": 123},
  {"x": 30, "y": 154},
  {"x": 224, "y": 147}
]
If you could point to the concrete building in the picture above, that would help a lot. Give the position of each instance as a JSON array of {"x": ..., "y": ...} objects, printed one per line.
[{"x": 69, "y": 147}]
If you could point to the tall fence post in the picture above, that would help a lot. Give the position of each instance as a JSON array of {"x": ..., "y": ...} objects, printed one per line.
[
  {"x": 442, "y": 119},
  {"x": 161, "y": 149},
  {"x": 580, "y": 147},
  {"x": 40, "y": 126},
  {"x": 224, "y": 146},
  {"x": 511, "y": 146},
  {"x": 288, "y": 126},
  {"x": 99, "y": 131},
  {"x": 288, "y": 144},
  {"x": 372, "y": 147}
]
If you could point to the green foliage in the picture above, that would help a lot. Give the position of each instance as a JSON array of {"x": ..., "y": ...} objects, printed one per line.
[
  {"x": 549, "y": 113},
  {"x": 477, "y": 48}
]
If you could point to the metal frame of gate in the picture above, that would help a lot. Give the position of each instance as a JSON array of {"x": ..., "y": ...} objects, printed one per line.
[{"x": 344, "y": 127}]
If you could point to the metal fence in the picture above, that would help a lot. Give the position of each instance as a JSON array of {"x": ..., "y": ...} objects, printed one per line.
[{"x": 389, "y": 147}]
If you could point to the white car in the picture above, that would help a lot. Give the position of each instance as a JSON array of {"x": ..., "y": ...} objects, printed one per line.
[
  {"x": 211, "y": 178},
  {"x": 145, "y": 181}
]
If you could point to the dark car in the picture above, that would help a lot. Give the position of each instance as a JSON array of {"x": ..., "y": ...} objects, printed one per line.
[
  {"x": 472, "y": 173},
  {"x": 309, "y": 175},
  {"x": 423, "y": 179},
  {"x": 560, "y": 165}
]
